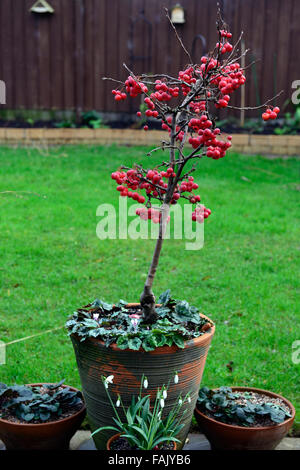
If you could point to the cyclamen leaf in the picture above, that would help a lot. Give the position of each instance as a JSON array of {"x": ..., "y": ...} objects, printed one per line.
[
  {"x": 162, "y": 311},
  {"x": 89, "y": 323},
  {"x": 28, "y": 417},
  {"x": 134, "y": 343},
  {"x": 121, "y": 303},
  {"x": 122, "y": 342},
  {"x": 44, "y": 416},
  {"x": 148, "y": 346},
  {"x": 165, "y": 297},
  {"x": 179, "y": 341},
  {"x": 160, "y": 340}
]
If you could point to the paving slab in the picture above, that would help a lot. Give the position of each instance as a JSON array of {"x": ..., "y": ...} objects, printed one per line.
[{"x": 82, "y": 441}]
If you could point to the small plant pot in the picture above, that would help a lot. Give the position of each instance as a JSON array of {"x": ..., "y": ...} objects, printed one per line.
[
  {"x": 229, "y": 437},
  {"x": 43, "y": 436},
  {"x": 116, "y": 436}
]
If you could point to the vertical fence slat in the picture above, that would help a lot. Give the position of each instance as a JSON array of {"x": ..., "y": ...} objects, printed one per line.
[{"x": 7, "y": 52}]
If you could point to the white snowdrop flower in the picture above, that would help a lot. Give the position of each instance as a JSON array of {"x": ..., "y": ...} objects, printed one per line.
[
  {"x": 165, "y": 394},
  {"x": 162, "y": 402},
  {"x": 146, "y": 382},
  {"x": 180, "y": 401},
  {"x": 118, "y": 403},
  {"x": 176, "y": 378},
  {"x": 108, "y": 380},
  {"x": 189, "y": 399}
]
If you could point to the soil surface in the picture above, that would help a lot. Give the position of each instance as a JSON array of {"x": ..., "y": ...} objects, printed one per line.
[{"x": 122, "y": 444}]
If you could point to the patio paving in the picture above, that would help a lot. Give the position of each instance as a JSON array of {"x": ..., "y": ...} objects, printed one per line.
[{"x": 83, "y": 441}]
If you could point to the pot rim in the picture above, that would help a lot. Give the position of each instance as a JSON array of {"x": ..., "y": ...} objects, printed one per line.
[
  {"x": 253, "y": 428},
  {"x": 189, "y": 342},
  {"x": 115, "y": 436},
  {"x": 50, "y": 423}
]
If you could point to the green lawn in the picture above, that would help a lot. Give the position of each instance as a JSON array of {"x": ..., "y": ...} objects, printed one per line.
[{"x": 245, "y": 278}]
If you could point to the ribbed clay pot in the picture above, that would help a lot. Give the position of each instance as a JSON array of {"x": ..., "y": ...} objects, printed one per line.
[
  {"x": 228, "y": 437},
  {"x": 116, "y": 436},
  {"x": 127, "y": 367},
  {"x": 55, "y": 435}
]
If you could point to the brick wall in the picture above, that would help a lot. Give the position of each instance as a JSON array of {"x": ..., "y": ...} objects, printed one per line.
[{"x": 243, "y": 143}]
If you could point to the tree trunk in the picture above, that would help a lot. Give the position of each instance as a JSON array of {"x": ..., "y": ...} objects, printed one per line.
[{"x": 147, "y": 298}]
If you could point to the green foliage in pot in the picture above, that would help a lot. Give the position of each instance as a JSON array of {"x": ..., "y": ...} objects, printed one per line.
[
  {"x": 37, "y": 404},
  {"x": 177, "y": 321},
  {"x": 144, "y": 425},
  {"x": 238, "y": 407}
]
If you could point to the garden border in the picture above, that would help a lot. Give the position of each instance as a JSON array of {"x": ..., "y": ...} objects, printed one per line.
[{"x": 284, "y": 145}]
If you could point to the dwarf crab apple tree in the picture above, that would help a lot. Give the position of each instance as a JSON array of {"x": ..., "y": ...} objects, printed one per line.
[{"x": 184, "y": 105}]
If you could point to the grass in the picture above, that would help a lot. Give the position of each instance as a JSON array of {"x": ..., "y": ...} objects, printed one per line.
[{"x": 245, "y": 278}]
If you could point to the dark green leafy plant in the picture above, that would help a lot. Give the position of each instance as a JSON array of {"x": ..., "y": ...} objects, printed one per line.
[
  {"x": 92, "y": 119},
  {"x": 177, "y": 321},
  {"x": 290, "y": 124},
  {"x": 46, "y": 403},
  {"x": 238, "y": 407},
  {"x": 143, "y": 425}
]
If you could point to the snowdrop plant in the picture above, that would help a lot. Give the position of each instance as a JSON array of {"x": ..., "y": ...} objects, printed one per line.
[{"x": 143, "y": 423}]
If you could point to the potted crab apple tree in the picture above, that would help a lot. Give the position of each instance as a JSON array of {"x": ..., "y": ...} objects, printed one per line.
[{"x": 152, "y": 338}]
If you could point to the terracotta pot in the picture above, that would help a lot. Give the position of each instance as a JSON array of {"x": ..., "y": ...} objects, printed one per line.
[
  {"x": 116, "y": 436},
  {"x": 127, "y": 367},
  {"x": 44, "y": 436},
  {"x": 228, "y": 437}
]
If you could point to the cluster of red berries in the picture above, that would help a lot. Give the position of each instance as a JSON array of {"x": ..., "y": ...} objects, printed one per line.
[
  {"x": 135, "y": 88},
  {"x": 215, "y": 149},
  {"x": 127, "y": 181},
  {"x": 119, "y": 96},
  {"x": 222, "y": 102},
  {"x": 225, "y": 46},
  {"x": 187, "y": 77},
  {"x": 198, "y": 106},
  {"x": 232, "y": 81},
  {"x": 202, "y": 123},
  {"x": 207, "y": 64},
  {"x": 189, "y": 186},
  {"x": 151, "y": 108},
  {"x": 163, "y": 92},
  {"x": 150, "y": 214},
  {"x": 225, "y": 34},
  {"x": 270, "y": 113},
  {"x": 132, "y": 180},
  {"x": 200, "y": 213}
]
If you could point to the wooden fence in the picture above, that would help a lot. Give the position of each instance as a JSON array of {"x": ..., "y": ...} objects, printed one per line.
[{"x": 57, "y": 61}]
